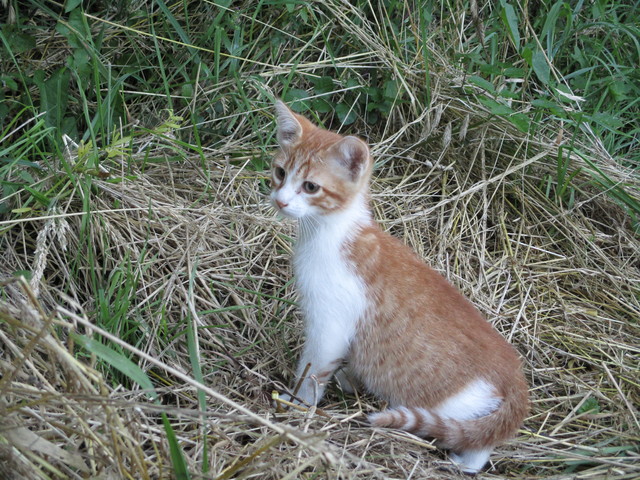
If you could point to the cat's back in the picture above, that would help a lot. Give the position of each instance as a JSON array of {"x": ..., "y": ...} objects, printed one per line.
[
  {"x": 400, "y": 280},
  {"x": 420, "y": 329}
]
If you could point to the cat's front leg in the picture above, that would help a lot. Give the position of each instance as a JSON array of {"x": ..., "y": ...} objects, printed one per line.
[{"x": 321, "y": 357}]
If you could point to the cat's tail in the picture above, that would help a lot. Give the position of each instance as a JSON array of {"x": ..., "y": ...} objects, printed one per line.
[{"x": 459, "y": 434}]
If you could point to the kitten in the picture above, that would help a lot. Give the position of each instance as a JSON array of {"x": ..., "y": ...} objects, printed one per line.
[{"x": 407, "y": 335}]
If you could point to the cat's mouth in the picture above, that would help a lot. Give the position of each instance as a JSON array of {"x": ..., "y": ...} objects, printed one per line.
[{"x": 285, "y": 211}]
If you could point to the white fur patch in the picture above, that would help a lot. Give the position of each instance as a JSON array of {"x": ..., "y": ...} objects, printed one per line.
[
  {"x": 333, "y": 297},
  {"x": 475, "y": 400},
  {"x": 471, "y": 461}
]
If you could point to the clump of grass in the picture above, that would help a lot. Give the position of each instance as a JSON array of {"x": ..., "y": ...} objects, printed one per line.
[{"x": 157, "y": 313}]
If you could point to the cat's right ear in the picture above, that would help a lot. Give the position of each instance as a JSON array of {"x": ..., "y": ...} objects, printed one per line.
[
  {"x": 352, "y": 154},
  {"x": 289, "y": 128}
]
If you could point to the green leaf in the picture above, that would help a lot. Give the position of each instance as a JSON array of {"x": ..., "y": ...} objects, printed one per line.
[
  {"x": 21, "y": 210},
  {"x": 23, "y": 273},
  {"x": 619, "y": 89},
  {"x": 74, "y": 30},
  {"x": 482, "y": 83},
  {"x": 39, "y": 196},
  {"x": 177, "y": 458},
  {"x": 538, "y": 63},
  {"x": 320, "y": 105},
  {"x": 374, "y": 94},
  {"x": 117, "y": 361},
  {"x": 540, "y": 66},
  {"x": 18, "y": 41},
  {"x": 521, "y": 121},
  {"x": 513, "y": 72},
  {"x": 54, "y": 95},
  {"x": 323, "y": 85},
  {"x": 543, "y": 103},
  {"x": 510, "y": 20},
  {"x": 495, "y": 107},
  {"x": 607, "y": 120},
  {"x": 590, "y": 405},
  {"x": 9, "y": 82},
  {"x": 71, "y": 4},
  {"x": 346, "y": 113},
  {"x": 490, "y": 69},
  {"x": 391, "y": 89},
  {"x": 294, "y": 98},
  {"x": 505, "y": 93},
  {"x": 554, "y": 107},
  {"x": 550, "y": 22}
]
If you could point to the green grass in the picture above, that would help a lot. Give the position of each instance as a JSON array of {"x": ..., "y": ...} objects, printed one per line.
[
  {"x": 117, "y": 73},
  {"x": 101, "y": 96}
]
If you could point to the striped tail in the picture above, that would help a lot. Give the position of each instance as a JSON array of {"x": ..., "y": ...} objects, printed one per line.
[{"x": 471, "y": 438}]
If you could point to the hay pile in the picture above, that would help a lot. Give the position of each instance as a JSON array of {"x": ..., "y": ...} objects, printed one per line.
[
  {"x": 183, "y": 257},
  {"x": 185, "y": 246}
]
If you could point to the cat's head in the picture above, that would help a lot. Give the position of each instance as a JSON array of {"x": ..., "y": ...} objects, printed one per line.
[{"x": 316, "y": 172}]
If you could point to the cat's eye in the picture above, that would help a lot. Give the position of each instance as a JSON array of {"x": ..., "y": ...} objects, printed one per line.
[
  {"x": 310, "y": 187},
  {"x": 279, "y": 173}
]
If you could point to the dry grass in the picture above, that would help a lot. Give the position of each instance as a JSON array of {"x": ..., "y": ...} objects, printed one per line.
[
  {"x": 561, "y": 286},
  {"x": 173, "y": 245}
]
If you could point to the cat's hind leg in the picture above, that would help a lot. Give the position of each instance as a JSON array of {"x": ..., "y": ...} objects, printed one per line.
[{"x": 471, "y": 461}]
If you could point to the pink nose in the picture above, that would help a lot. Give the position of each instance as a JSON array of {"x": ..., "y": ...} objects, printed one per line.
[{"x": 281, "y": 204}]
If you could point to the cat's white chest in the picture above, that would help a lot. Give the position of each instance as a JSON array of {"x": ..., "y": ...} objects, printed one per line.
[{"x": 332, "y": 296}]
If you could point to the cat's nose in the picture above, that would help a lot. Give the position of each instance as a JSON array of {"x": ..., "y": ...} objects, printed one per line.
[{"x": 281, "y": 204}]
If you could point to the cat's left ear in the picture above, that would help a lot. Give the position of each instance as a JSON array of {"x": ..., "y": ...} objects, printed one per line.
[
  {"x": 289, "y": 128},
  {"x": 352, "y": 154}
]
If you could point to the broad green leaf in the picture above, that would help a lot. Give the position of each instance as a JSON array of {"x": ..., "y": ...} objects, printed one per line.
[
  {"x": 9, "y": 82},
  {"x": 491, "y": 69},
  {"x": 554, "y": 107},
  {"x": 543, "y": 103},
  {"x": 550, "y": 22},
  {"x": 39, "y": 196},
  {"x": 294, "y": 98},
  {"x": 510, "y": 20},
  {"x": 346, "y": 113},
  {"x": 607, "y": 120},
  {"x": 71, "y": 4},
  {"x": 390, "y": 89},
  {"x": 513, "y": 72},
  {"x": 320, "y": 105},
  {"x": 482, "y": 83},
  {"x": 323, "y": 84},
  {"x": 495, "y": 107},
  {"x": 18, "y": 41},
  {"x": 537, "y": 62},
  {"x": 590, "y": 405},
  {"x": 521, "y": 121},
  {"x": 54, "y": 95},
  {"x": 23, "y": 273},
  {"x": 540, "y": 66}
]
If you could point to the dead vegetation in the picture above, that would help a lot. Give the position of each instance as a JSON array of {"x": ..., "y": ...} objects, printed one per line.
[
  {"x": 179, "y": 266},
  {"x": 562, "y": 286}
]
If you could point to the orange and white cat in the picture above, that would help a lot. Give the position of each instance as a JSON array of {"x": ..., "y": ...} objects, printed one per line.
[{"x": 369, "y": 302}]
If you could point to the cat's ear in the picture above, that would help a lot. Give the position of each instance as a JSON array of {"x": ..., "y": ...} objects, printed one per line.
[
  {"x": 289, "y": 128},
  {"x": 352, "y": 154}
]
